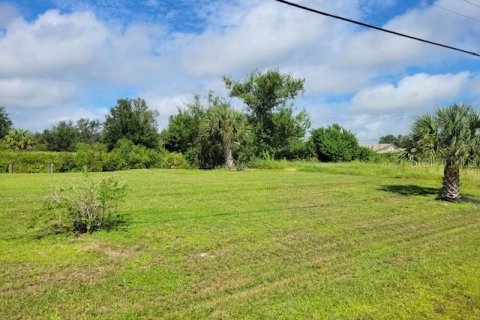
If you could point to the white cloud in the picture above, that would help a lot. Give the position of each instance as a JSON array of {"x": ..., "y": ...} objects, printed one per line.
[
  {"x": 53, "y": 45},
  {"x": 417, "y": 92},
  {"x": 166, "y": 106},
  {"x": 369, "y": 127},
  {"x": 29, "y": 94},
  {"x": 382, "y": 52},
  {"x": 268, "y": 34},
  {"x": 55, "y": 59}
]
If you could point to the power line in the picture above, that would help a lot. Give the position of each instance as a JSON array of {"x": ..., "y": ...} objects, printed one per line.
[
  {"x": 456, "y": 13},
  {"x": 472, "y": 3},
  {"x": 363, "y": 24}
]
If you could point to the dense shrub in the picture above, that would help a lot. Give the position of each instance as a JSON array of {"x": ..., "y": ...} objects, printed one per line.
[
  {"x": 90, "y": 157},
  {"x": 30, "y": 162},
  {"x": 66, "y": 162},
  {"x": 93, "y": 158},
  {"x": 334, "y": 144},
  {"x": 85, "y": 208},
  {"x": 127, "y": 155},
  {"x": 171, "y": 160}
]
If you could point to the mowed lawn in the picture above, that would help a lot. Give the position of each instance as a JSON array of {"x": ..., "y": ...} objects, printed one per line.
[{"x": 347, "y": 241}]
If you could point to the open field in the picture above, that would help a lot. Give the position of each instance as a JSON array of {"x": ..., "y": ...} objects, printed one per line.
[{"x": 347, "y": 241}]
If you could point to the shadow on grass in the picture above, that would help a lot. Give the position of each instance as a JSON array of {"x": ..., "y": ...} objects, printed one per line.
[
  {"x": 469, "y": 199},
  {"x": 38, "y": 231},
  {"x": 410, "y": 190},
  {"x": 413, "y": 190}
]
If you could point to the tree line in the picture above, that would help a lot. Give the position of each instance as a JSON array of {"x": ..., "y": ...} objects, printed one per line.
[
  {"x": 208, "y": 131},
  {"x": 130, "y": 119}
]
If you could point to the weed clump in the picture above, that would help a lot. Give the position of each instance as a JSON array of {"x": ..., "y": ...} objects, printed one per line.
[{"x": 87, "y": 207}]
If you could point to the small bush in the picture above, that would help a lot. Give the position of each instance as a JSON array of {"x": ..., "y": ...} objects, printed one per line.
[
  {"x": 171, "y": 160},
  {"x": 86, "y": 208}
]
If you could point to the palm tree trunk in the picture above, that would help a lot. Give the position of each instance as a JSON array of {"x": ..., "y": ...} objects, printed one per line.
[
  {"x": 451, "y": 181},
  {"x": 228, "y": 154}
]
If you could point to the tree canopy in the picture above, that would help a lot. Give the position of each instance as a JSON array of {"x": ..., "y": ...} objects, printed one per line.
[
  {"x": 88, "y": 131},
  {"x": 61, "y": 137},
  {"x": 133, "y": 120},
  {"x": 268, "y": 97},
  {"x": 208, "y": 131},
  {"x": 5, "y": 122},
  {"x": 400, "y": 141}
]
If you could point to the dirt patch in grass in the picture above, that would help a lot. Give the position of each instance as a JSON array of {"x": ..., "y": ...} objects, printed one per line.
[
  {"x": 113, "y": 252},
  {"x": 38, "y": 280}
]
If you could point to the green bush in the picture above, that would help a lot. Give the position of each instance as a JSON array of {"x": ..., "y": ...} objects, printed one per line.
[
  {"x": 91, "y": 157},
  {"x": 334, "y": 144},
  {"x": 127, "y": 155},
  {"x": 31, "y": 162},
  {"x": 366, "y": 154},
  {"x": 85, "y": 208},
  {"x": 171, "y": 160},
  {"x": 66, "y": 162}
]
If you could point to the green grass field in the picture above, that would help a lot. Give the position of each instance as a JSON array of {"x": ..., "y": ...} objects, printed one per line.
[{"x": 347, "y": 241}]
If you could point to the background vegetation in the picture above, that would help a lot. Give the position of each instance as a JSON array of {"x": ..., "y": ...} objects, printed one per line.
[{"x": 209, "y": 133}]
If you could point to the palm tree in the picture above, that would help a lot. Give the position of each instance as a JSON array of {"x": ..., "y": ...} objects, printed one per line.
[
  {"x": 227, "y": 123},
  {"x": 451, "y": 134},
  {"x": 18, "y": 139}
]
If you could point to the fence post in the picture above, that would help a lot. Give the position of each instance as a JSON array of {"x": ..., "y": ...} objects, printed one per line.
[
  {"x": 10, "y": 168},
  {"x": 50, "y": 168}
]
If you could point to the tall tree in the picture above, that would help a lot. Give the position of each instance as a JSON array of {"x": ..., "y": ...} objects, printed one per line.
[
  {"x": 265, "y": 94},
  {"x": 450, "y": 134},
  {"x": 288, "y": 137},
  {"x": 89, "y": 131},
  {"x": 229, "y": 124},
  {"x": 133, "y": 120},
  {"x": 183, "y": 127},
  {"x": 5, "y": 122},
  {"x": 61, "y": 137}
]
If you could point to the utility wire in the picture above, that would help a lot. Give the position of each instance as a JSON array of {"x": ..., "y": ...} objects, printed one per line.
[
  {"x": 363, "y": 24},
  {"x": 456, "y": 13},
  {"x": 472, "y": 3}
]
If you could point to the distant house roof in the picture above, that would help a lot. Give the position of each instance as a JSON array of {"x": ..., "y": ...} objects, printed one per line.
[{"x": 383, "y": 147}]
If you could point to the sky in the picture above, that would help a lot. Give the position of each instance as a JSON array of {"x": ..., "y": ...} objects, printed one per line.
[{"x": 68, "y": 59}]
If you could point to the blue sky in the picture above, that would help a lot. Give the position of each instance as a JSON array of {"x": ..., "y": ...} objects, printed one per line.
[{"x": 66, "y": 59}]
